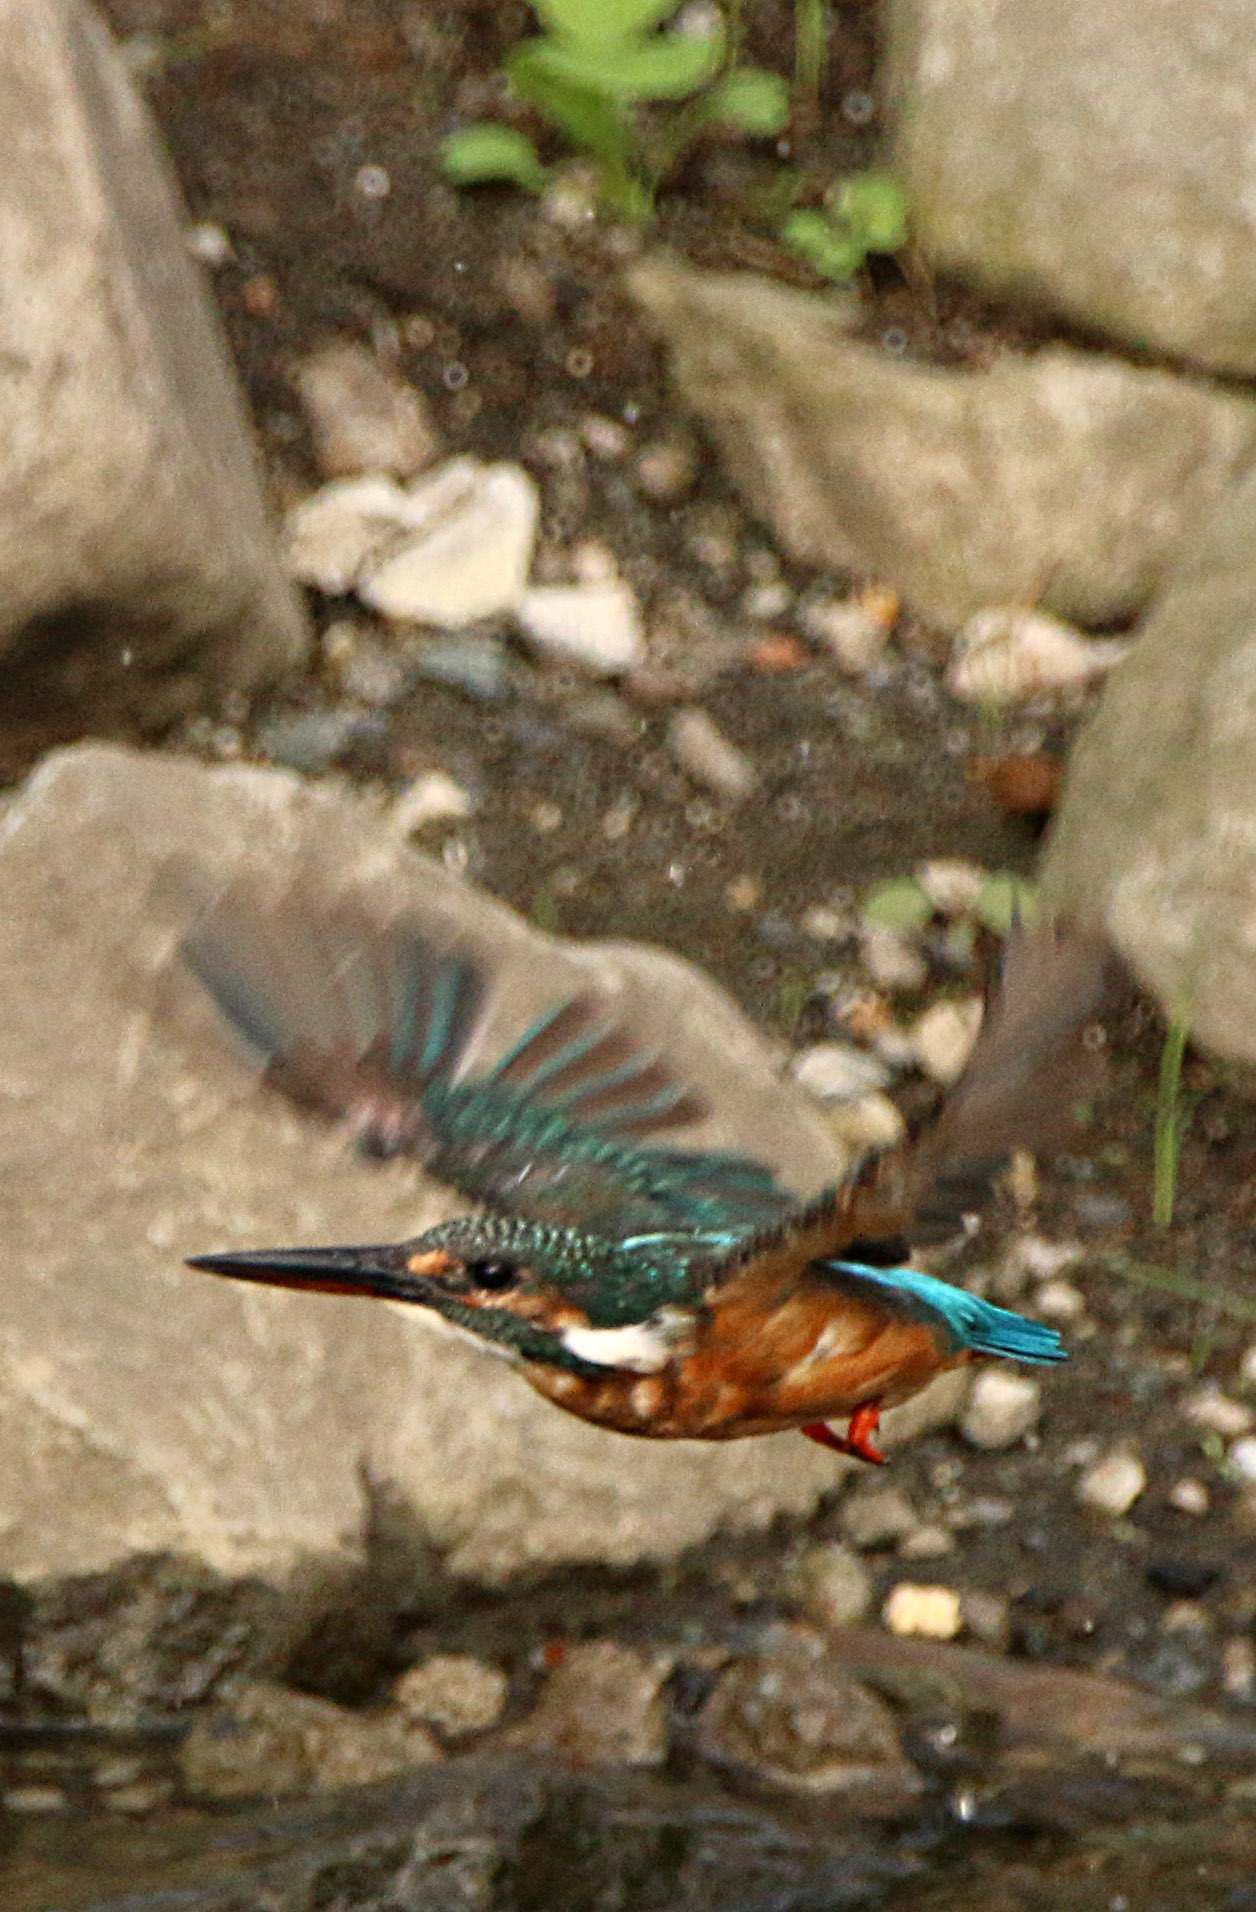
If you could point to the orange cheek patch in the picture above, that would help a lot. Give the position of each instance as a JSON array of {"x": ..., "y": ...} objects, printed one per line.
[{"x": 436, "y": 1261}]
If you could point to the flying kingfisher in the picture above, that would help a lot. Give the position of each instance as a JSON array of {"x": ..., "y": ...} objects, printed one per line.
[{"x": 679, "y": 1294}]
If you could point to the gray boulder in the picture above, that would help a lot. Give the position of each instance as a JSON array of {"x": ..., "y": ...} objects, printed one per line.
[
  {"x": 144, "y": 1407},
  {"x": 1093, "y": 158},
  {"x": 138, "y": 579},
  {"x": 1061, "y": 479}
]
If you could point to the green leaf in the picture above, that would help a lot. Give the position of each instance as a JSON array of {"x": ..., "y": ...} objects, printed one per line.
[
  {"x": 811, "y": 234},
  {"x": 751, "y": 99},
  {"x": 873, "y": 207},
  {"x": 603, "y": 20},
  {"x": 1003, "y": 900},
  {"x": 592, "y": 122},
  {"x": 899, "y": 904},
  {"x": 488, "y": 152},
  {"x": 670, "y": 66}
]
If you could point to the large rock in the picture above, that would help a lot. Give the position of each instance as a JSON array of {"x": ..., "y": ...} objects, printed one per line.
[
  {"x": 1093, "y": 157},
  {"x": 145, "y": 1407},
  {"x": 1155, "y": 837},
  {"x": 1062, "y": 479},
  {"x": 137, "y": 575}
]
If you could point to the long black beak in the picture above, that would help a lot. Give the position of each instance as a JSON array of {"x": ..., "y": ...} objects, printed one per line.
[{"x": 329, "y": 1271}]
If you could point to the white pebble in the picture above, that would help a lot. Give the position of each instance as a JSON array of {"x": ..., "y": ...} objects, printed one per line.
[
  {"x": 1242, "y": 1459},
  {"x": 1238, "y": 1666},
  {"x": 432, "y": 798},
  {"x": 889, "y": 957},
  {"x": 838, "y": 1072},
  {"x": 329, "y": 536},
  {"x": 831, "y": 1583},
  {"x": 1113, "y": 1484},
  {"x": 944, "y": 1037},
  {"x": 1190, "y": 1496},
  {"x": 209, "y": 243},
  {"x": 1004, "y": 656},
  {"x": 824, "y": 923},
  {"x": 1040, "y": 1259},
  {"x": 1247, "y": 1367},
  {"x": 469, "y": 549},
  {"x": 1208, "y": 1407},
  {"x": 931, "y": 1613},
  {"x": 362, "y": 415},
  {"x": 455, "y": 1692},
  {"x": 703, "y": 750},
  {"x": 1002, "y": 1408},
  {"x": 1060, "y": 1301},
  {"x": 595, "y": 626},
  {"x": 926, "y": 1543},
  {"x": 951, "y": 886},
  {"x": 855, "y": 632},
  {"x": 869, "y": 1124}
]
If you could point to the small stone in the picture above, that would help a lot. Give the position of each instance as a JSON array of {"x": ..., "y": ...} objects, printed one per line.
[
  {"x": 1002, "y": 1408},
  {"x": 702, "y": 749},
  {"x": 1185, "y": 1616},
  {"x": 1006, "y": 656},
  {"x": 825, "y": 924},
  {"x": 889, "y": 957},
  {"x": 1209, "y": 1408},
  {"x": 831, "y": 1584},
  {"x": 1238, "y": 1667},
  {"x": 838, "y": 1072},
  {"x": 362, "y": 415},
  {"x": 33, "y": 1799},
  {"x": 1190, "y": 1496},
  {"x": 952, "y": 886},
  {"x": 546, "y": 817},
  {"x": 368, "y": 671},
  {"x": 603, "y": 1703},
  {"x": 605, "y": 437},
  {"x": 454, "y": 1692},
  {"x": 926, "y": 1543},
  {"x": 667, "y": 470},
  {"x": 330, "y": 536},
  {"x": 944, "y": 1036},
  {"x": 987, "y": 1618},
  {"x": 1241, "y": 1459},
  {"x": 432, "y": 798},
  {"x": 268, "y": 1739},
  {"x": 209, "y": 243},
  {"x": 469, "y": 552},
  {"x": 1060, "y": 1301},
  {"x": 791, "y": 1717},
  {"x": 763, "y": 602},
  {"x": 1111, "y": 1485},
  {"x": 743, "y": 894},
  {"x": 1247, "y": 1368},
  {"x": 929, "y": 1613},
  {"x": 1040, "y": 1259},
  {"x": 143, "y": 1797},
  {"x": 871, "y": 1122},
  {"x": 877, "y": 1517},
  {"x": 314, "y": 740},
  {"x": 855, "y": 632},
  {"x": 594, "y": 626},
  {"x": 476, "y": 665}
]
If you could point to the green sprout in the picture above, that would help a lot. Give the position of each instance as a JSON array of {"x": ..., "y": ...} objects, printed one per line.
[
  {"x": 861, "y": 215},
  {"x": 597, "y": 63},
  {"x": 1169, "y": 1126}
]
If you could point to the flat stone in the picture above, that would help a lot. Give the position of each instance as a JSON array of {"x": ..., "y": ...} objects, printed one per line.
[
  {"x": 1113, "y": 1483},
  {"x": 792, "y": 1719},
  {"x": 1002, "y": 1408},
  {"x": 268, "y": 1739},
  {"x": 148, "y": 1409},
  {"x": 603, "y": 1702},
  {"x": 701, "y": 748},
  {"x": 594, "y": 626},
  {"x": 363, "y": 416},
  {"x": 454, "y": 1692},
  {"x": 470, "y": 552},
  {"x": 138, "y": 576},
  {"x": 1060, "y": 478},
  {"x": 1121, "y": 140}
]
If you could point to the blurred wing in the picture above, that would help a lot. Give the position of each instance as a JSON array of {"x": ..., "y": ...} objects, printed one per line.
[{"x": 371, "y": 1027}]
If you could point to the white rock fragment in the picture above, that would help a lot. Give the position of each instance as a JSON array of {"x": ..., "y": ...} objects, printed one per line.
[
  {"x": 1247, "y": 1367},
  {"x": 455, "y": 1692},
  {"x": 329, "y": 536},
  {"x": 926, "y": 1543},
  {"x": 1060, "y": 1301},
  {"x": 831, "y": 1584},
  {"x": 1190, "y": 1496},
  {"x": 1002, "y": 1408},
  {"x": 930, "y": 1613},
  {"x": 878, "y": 1517},
  {"x": 362, "y": 415},
  {"x": 944, "y": 1036},
  {"x": 432, "y": 798},
  {"x": 1241, "y": 1459},
  {"x": 594, "y": 626},
  {"x": 951, "y": 885},
  {"x": 889, "y": 957},
  {"x": 1038, "y": 1258},
  {"x": 702, "y": 749},
  {"x": 469, "y": 552},
  {"x": 838, "y": 1072},
  {"x": 856, "y": 630},
  {"x": 1113, "y": 1484},
  {"x": 824, "y": 923},
  {"x": 1209, "y": 1408},
  {"x": 209, "y": 243},
  {"x": 1007, "y": 655},
  {"x": 869, "y": 1124}
]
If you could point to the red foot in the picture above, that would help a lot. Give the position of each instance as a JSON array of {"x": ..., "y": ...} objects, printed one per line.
[{"x": 857, "y": 1439}]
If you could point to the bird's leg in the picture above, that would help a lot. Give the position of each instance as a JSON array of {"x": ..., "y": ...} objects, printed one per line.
[{"x": 857, "y": 1439}]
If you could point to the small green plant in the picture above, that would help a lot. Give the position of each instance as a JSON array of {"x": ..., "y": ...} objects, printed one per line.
[
  {"x": 1170, "y": 1123},
  {"x": 591, "y": 70},
  {"x": 864, "y": 214},
  {"x": 1003, "y": 901}
]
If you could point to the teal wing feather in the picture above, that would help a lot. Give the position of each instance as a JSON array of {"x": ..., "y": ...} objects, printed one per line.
[
  {"x": 372, "y": 1027},
  {"x": 961, "y": 1319}
]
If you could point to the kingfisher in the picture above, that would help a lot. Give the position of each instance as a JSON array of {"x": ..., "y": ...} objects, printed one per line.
[{"x": 653, "y": 1290}]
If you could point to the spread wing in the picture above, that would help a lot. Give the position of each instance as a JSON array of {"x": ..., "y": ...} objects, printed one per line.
[{"x": 371, "y": 1027}]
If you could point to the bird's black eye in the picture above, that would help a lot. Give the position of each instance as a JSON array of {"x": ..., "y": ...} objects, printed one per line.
[{"x": 493, "y": 1273}]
